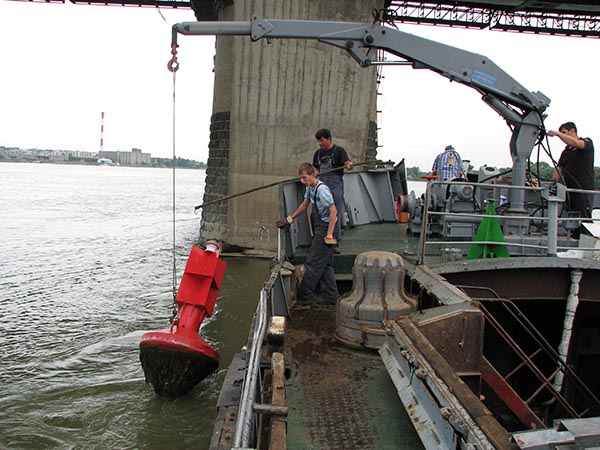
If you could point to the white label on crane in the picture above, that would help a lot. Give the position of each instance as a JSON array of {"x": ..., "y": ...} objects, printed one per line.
[{"x": 485, "y": 78}]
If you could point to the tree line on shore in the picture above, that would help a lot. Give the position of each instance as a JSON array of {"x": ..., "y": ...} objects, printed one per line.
[
  {"x": 179, "y": 162},
  {"x": 541, "y": 170}
]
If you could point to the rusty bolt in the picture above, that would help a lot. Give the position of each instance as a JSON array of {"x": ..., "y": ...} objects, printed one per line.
[{"x": 446, "y": 413}]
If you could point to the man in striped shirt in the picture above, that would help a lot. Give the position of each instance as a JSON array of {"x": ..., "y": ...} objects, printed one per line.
[{"x": 448, "y": 165}]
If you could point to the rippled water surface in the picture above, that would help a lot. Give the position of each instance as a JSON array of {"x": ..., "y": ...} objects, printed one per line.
[{"x": 86, "y": 268}]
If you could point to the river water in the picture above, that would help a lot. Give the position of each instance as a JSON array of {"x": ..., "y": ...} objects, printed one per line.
[{"x": 85, "y": 269}]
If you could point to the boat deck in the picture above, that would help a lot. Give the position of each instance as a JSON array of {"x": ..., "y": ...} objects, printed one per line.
[
  {"x": 389, "y": 237},
  {"x": 339, "y": 398}
]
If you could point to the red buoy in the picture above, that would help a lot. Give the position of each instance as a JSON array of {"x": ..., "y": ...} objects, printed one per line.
[{"x": 174, "y": 360}]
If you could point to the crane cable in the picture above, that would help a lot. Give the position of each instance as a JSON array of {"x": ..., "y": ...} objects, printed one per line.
[{"x": 173, "y": 66}]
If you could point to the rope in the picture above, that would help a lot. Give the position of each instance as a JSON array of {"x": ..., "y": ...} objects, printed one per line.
[
  {"x": 163, "y": 17},
  {"x": 277, "y": 183},
  {"x": 174, "y": 287}
]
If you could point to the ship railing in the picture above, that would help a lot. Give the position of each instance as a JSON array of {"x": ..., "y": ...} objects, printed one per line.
[
  {"x": 245, "y": 430},
  {"x": 273, "y": 301},
  {"x": 550, "y": 248}
]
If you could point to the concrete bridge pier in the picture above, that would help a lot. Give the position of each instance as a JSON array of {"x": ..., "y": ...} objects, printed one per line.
[{"x": 269, "y": 99}]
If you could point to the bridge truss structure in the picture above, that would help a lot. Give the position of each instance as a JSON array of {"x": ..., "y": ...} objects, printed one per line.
[{"x": 579, "y": 18}]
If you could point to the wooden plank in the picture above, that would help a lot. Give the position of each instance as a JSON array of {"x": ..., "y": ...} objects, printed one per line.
[
  {"x": 278, "y": 423},
  {"x": 264, "y": 421}
]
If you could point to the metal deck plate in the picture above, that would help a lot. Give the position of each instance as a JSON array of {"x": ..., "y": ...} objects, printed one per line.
[{"x": 339, "y": 398}]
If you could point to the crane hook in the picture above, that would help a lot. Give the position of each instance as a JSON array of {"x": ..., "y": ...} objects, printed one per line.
[{"x": 173, "y": 65}]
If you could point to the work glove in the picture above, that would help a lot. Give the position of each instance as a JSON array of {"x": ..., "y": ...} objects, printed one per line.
[{"x": 284, "y": 223}]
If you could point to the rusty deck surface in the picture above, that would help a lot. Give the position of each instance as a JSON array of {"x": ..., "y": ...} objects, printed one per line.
[{"x": 339, "y": 398}]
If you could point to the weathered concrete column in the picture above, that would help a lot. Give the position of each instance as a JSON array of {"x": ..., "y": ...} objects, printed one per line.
[{"x": 269, "y": 99}]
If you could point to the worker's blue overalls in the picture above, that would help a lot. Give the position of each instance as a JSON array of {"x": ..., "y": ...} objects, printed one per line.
[{"x": 319, "y": 263}]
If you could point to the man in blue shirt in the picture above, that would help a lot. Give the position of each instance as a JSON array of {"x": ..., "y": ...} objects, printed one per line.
[
  {"x": 319, "y": 263},
  {"x": 448, "y": 165}
]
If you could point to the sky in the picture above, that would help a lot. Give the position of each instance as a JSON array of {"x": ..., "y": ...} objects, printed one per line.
[{"x": 64, "y": 64}]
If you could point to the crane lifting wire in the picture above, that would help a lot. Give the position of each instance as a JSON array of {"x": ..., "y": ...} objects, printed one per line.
[{"x": 175, "y": 359}]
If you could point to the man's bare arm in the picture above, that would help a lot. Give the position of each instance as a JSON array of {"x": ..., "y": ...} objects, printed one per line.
[
  {"x": 332, "y": 220},
  {"x": 571, "y": 141},
  {"x": 301, "y": 208}
]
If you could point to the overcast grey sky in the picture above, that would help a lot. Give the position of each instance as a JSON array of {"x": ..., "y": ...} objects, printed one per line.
[{"x": 65, "y": 64}]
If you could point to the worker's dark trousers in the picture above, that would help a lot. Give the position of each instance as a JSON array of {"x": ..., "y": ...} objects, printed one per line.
[
  {"x": 319, "y": 266},
  {"x": 338, "y": 198},
  {"x": 583, "y": 203}
]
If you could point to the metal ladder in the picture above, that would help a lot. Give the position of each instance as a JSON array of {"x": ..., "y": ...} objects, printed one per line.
[{"x": 520, "y": 406}]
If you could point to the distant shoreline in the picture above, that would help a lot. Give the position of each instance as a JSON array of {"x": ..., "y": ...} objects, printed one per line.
[{"x": 83, "y": 163}]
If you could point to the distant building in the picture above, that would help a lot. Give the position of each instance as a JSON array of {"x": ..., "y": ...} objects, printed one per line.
[
  {"x": 36, "y": 154},
  {"x": 84, "y": 154},
  {"x": 133, "y": 158}
]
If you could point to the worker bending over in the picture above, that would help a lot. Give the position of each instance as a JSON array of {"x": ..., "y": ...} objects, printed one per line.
[{"x": 319, "y": 263}]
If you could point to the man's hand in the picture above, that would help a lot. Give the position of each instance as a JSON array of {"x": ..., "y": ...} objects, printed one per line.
[
  {"x": 284, "y": 223},
  {"x": 556, "y": 174},
  {"x": 553, "y": 133},
  {"x": 330, "y": 240},
  {"x": 349, "y": 165}
]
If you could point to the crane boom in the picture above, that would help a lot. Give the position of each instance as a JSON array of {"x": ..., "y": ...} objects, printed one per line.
[{"x": 521, "y": 109}]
